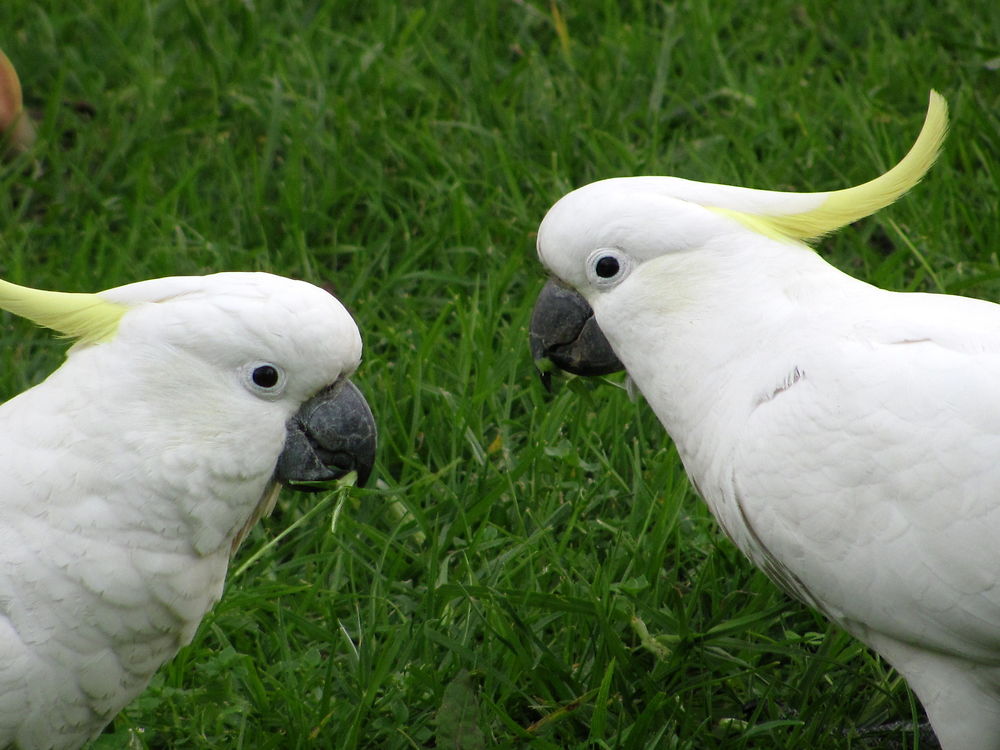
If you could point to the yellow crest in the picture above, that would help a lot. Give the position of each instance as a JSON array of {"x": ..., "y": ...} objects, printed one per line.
[
  {"x": 839, "y": 207},
  {"x": 88, "y": 318}
]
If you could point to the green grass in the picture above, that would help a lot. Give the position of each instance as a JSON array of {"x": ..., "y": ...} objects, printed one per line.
[{"x": 530, "y": 570}]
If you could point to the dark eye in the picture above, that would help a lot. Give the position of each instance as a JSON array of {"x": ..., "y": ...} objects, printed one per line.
[
  {"x": 265, "y": 376},
  {"x": 607, "y": 266}
]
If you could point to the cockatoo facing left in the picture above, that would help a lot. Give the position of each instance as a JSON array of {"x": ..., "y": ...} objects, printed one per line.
[
  {"x": 129, "y": 476},
  {"x": 846, "y": 438}
]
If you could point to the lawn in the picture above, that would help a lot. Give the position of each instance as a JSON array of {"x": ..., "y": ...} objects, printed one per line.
[{"x": 528, "y": 570}]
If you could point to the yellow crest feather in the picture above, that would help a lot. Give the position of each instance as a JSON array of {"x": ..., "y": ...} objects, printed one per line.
[
  {"x": 88, "y": 318},
  {"x": 842, "y": 207}
]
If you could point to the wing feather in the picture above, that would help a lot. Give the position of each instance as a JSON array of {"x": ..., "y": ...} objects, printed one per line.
[{"x": 875, "y": 480}]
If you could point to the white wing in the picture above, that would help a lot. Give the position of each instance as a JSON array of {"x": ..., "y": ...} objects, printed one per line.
[
  {"x": 871, "y": 480},
  {"x": 93, "y": 597}
]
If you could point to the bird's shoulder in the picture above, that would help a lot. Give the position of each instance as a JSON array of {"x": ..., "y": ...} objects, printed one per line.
[{"x": 869, "y": 470}]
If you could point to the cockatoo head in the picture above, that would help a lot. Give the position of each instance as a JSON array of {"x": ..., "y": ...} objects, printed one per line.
[
  {"x": 248, "y": 363},
  {"x": 599, "y": 242}
]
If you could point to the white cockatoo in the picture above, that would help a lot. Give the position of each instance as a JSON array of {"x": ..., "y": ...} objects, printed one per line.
[
  {"x": 129, "y": 476},
  {"x": 847, "y": 438}
]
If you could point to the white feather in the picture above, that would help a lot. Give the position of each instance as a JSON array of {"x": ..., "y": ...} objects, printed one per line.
[
  {"x": 125, "y": 478},
  {"x": 847, "y": 438}
]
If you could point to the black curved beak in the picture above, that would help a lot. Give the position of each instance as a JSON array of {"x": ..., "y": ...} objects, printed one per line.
[
  {"x": 564, "y": 333},
  {"x": 333, "y": 433}
]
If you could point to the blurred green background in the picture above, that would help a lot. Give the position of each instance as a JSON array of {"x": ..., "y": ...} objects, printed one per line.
[{"x": 530, "y": 570}]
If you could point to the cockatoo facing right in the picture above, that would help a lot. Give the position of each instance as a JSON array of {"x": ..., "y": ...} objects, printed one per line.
[
  {"x": 847, "y": 438},
  {"x": 129, "y": 476}
]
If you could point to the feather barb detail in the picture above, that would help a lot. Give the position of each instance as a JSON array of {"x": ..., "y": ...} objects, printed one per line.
[
  {"x": 88, "y": 318},
  {"x": 840, "y": 207}
]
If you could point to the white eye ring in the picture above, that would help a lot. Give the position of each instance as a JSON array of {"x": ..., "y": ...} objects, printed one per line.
[
  {"x": 264, "y": 379},
  {"x": 608, "y": 267}
]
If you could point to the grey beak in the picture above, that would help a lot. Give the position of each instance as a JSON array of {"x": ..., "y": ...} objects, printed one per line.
[
  {"x": 332, "y": 434},
  {"x": 564, "y": 332}
]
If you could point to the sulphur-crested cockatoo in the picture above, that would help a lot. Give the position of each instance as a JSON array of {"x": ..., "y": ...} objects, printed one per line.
[
  {"x": 129, "y": 476},
  {"x": 846, "y": 438}
]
